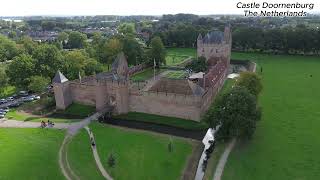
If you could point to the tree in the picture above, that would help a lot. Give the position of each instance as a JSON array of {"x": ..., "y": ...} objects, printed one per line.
[
  {"x": 3, "y": 79},
  {"x": 63, "y": 37},
  {"x": 251, "y": 81},
  {"x": 28, "y": 44},
  {"x": 236, "y": 112},
  {"x": 78, "y": 61},
  {"x": 157, "y": 51},
  {"x": 8, "y": 49},
  {"x": 127, "y": 29},
  {"x": 20, "y": 70},
  {"x": 112, "y": 48},
  {"x": 48, "y": 60},
  {"x": 77, "y": 40},
  {"x": 198, "y": 65},
  {"x": 132, "y": 50},
  {"x": 38, "y": 84}
]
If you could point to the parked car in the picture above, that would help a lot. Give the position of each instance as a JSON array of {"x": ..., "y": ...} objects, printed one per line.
[
  {"x": 25, "y": 99},
  {"x": 23, "y": 93},
  {"x": 6, "y": 109},
  {"x": 1, "y": 116},
  {"x": 2, "y": 101},
  {"x": 3, "y": 112},
  {"x": 35, "y": 97},
  {"x": 10, "y": 99},
  {"x": 16, "y": 104}
]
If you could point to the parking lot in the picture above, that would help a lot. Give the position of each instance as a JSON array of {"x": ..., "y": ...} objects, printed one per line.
[{"x": 15, "y": 101}]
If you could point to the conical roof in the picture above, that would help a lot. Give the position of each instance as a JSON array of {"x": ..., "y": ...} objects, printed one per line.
[{"x": 59, "y": 78}]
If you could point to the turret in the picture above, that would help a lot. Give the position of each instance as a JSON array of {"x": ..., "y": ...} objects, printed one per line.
[{"x": 61, "y": 91}]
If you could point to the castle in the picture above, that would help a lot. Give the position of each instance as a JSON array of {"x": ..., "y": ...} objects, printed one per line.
[{"x": 183, "y": 98}]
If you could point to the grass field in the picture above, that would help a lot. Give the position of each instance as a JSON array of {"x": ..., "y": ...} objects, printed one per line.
[
  {"x": 141, "y": 155},
  {"x": 182, "y": 52},
  {"x": 173, "y": 59},
  {"x": 286, "y": 142},
  {"x": 30, "y": 154},
  {"x": 176, "y": 74},
  {"x": 170, "y": 121},
  {"x": 81, "y": 158},
  {"x": 78, "y": 110},
  {"x": 145, "y": 74}
]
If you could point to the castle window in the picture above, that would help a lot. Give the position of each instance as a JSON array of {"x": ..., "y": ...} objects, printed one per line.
[
  {"x": 217, "y": 51},
  {"x": 211, "y": 50},
  {"x": 202, "y": 49}
]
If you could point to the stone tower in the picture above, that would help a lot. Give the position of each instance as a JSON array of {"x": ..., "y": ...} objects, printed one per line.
[
  {"x": 215, "y": 46},
  {"x": 61, "y": 91}
]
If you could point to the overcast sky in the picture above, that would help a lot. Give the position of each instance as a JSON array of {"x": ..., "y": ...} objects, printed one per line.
[{"x": 127, "y": 7}]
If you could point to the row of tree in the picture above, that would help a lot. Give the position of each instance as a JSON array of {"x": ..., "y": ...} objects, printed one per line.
[
  {"x": 237, "y": 110},
  {"x": 298, "y": 40},
  {"x": 38, "y": 62}
]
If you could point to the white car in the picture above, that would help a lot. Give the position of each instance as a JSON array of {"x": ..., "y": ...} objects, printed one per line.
[
  {"x": 2, "y": 101},
  {"x": 10, "y": 99},
  {"x": 1, "y": 116},
  {"x": 37, "y": 98}
]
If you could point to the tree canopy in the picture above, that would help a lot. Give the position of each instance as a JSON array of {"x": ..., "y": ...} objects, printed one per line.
[
  {"x": 8, "y": 49},
  {"x": 77, "y": 40},
  {"x": 251, "y": 81},
  {"x": 237, "y": 113},
  {"x": 157, "y": 51},
  {"x": 38, "y": 83},
  {"x": 20, "y": 70}
]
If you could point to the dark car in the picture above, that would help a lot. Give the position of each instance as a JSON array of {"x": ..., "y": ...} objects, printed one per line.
[
  {"x": 23, "y": 93},
  {"x": 14, "y": 104}
]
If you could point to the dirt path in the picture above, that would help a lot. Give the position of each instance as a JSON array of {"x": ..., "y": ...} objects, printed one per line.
[
  {"x": 97, "y": 157},
  {"x": 223, "y": 160},
  {"x": 73, "y": 129},
  {"x": 4, "y": 123}
]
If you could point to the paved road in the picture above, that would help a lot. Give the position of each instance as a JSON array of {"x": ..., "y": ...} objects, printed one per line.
[{"x": 223, "y": 160}]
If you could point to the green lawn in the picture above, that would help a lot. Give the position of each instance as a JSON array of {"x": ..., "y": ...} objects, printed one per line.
[
  {"x": 286, "y": 143},
  {"x": 145, "y": 74},
  {"x": 182, "y": 52},
  {"x": 8, "y": 91},
  {"x": 172, "y": 59},
  {"x": 176, "y": 74},
  {"x": 79, "y": 110},
  {"x": 30, "y": 154},
  {"x": 141, "y": 155},
  {"x": 81, "y": 158},
  {"x": 170, "y": 121},
  {"x": 73, "y": 113}
]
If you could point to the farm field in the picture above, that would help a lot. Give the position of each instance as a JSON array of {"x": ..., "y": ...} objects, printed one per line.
[
  {"x": 286, "y": 142},
  {"x": 141, "y": 155},
  {"x": 30, "y": 153}
]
